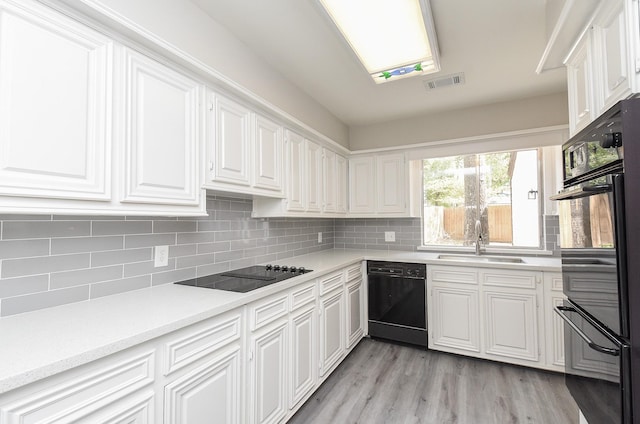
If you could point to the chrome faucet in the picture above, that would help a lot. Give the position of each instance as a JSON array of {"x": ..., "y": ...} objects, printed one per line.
[{"x": 478, "y": 237}]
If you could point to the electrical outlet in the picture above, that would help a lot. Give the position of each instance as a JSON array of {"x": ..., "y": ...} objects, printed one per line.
[
  {"x": 389, "y": 236},
  {"x": 320, "y": 237},
  {"x": 161, "y": 257}
]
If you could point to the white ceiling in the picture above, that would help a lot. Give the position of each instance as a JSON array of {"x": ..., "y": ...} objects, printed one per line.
[{"x": 496, "y": 43}]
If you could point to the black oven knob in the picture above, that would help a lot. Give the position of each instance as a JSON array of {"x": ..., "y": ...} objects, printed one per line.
[
  {"x": 276, "y": 267},
  {"x": 301, "y": 270},
  {"x": 285, "y": 268},
  {"x": 268, "y": 267},
  {"x": 293, "y": 269},
  {"x": 611, "y": 140}
]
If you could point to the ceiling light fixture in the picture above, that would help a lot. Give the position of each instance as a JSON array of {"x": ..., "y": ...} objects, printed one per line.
[{"x": 392, "y": 39}]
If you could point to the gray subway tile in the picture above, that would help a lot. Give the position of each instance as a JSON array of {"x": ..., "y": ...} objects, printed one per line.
[
  {"x": 209, "y": 269},
  {"x": 194, "y": 238},
  {"x": 86, "y": 218},
  {"x": 23, "y": 248},
  {"x": 32, "y": 302},
  {"x": 24, "y": 285},
  {"x": 108, "y": 288},
  {"x": 44, "y": 229},
  {"x": 140, "y": 268},
  {"x": 182, "y": 250},
  {"x": 228, "y": 255},
  {"x": 121, "y": 256},
  {"x": 174, "y": 226},
  {"x": 85, "y": 244},
  {"x": 108, "y": 228},
  {"x": 24, "y": 217},
  {"x": 197, "y": 260},
  {"x": 213, "y": 247},
  {"x": 80, "y": 277},
  {"x": 43, "y": 265},
  {"x": 149, "y": 240},
  {"x": 173, "y": 276},
  {"x": 213, "y": 225},
  {"x": 241, "y": 263}
]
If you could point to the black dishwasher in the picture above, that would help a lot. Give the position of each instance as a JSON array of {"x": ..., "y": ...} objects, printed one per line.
[{"x": 397, "y": 301}]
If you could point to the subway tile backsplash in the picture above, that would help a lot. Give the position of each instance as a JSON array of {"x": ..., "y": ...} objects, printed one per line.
[{"x": 49, "y": 260}]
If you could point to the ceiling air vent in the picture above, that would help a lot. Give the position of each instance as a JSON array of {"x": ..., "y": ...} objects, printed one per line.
[{"x": 445, "y": 81}]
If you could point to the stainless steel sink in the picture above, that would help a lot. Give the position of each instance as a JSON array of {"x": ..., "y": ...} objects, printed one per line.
[{"x": 482, "y": 258}]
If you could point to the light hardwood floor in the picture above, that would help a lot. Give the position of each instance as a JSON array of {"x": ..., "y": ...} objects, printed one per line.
[{"x": 386, "y": 383}]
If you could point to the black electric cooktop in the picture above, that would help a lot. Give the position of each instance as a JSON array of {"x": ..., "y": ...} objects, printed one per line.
[{"x": 246, "y": 279}]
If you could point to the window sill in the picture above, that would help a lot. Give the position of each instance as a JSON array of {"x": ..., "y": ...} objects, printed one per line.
[{"x": 488, "y": 250}]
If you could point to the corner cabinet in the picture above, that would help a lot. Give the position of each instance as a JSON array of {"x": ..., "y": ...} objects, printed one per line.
[
  {"x": 125, "y": 140},
  {"x": 384, "y": 185},
  {"x": 498, "y": 314},
  {"x": 316, "y": 181},
  {"x": 245, "y": 150}
]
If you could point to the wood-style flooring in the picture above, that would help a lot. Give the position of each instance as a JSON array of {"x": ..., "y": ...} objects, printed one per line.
[{"x": 386, "y": 383}]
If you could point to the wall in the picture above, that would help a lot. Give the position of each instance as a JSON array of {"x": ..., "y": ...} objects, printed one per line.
[
  {"x": 185, "y": 26},
  {"x": 52, "y": 260},
  {"x": 537, "y": 112}
]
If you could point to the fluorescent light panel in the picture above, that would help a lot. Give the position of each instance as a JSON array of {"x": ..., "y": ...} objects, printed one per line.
[{"x": 387, "y": 35}]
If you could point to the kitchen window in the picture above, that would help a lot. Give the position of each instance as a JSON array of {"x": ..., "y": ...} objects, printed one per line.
[{"x": 500, "y": 190}]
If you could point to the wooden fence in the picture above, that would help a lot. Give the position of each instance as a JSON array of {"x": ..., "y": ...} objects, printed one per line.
[{"x": 500, "y": 225}]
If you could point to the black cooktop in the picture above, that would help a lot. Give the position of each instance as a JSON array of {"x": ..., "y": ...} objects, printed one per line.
[{"x": 246, "y": 279}]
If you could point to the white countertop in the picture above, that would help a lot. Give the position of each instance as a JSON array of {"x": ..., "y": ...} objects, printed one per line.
[{"x": 42, "y": 343}]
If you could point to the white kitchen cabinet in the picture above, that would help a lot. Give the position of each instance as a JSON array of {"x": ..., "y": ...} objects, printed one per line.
[
  {"x": 579, "y": 83},
  {"x": 314, "y": 176},
  {"x": 56, "y": 91},
  {"x": 362, "y": 181},
  {"x": 296, "y": 172},
  {"x": 355, "y": 312},
  {"x": 554, "y": 326},
  {"x": 162, "y": 133},
  {"x": 332, "y": 330},
  {"x": 453, "y": 309},
  {"x": 268, "y": 155},
  {"x": 211, "y": 390},
  {"x": 384, "y": 185},
  {"x": 268, "y": 374},
  {"x": 329, "y": 186},
  {"x": 303, "y": 327},
  {"x": 342, "y": 182},
  {"x": 230, "y": 141}
]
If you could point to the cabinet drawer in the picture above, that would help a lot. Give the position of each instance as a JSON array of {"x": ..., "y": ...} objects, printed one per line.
[
  {"x": 353, "y": 272},
  {"x": 443, "y": 274},
  {"x": 201, "y": 341},
  {"x": 508, "y": 278},
  {"x": 331, "y": 282},
  {"x": 303, "y": 295},
  {"x": 266, "y": 311}
]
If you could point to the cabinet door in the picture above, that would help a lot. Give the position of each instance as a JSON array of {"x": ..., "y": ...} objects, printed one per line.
[
  {"x": 355, "y": 317},
  {"x": 296, "y": 174},
  {"x": 303, "y": 349},
  {"x": 212, "y": 390},
  {"x": 610, "y": 39},
  {"x": 361, "y": 185},
  {"x": 314, "y": 177},
  {"x": 55, "y": 105},
  {"x": 268, "y": 375},
  {"x": 268, "y": 155},
  {"x": 511, "y": 324},
  {"x": 341, "y": 184},
  {"x": 391, "y": 185},
  {"x": 330, "y": 181},
  {"x": 232, "y": 138},
  {"x": 332, "y": 330},
  {"x": 579, "y": 85},
  {"x": 454, "y": 318},
  {"x": 162, "y": 133},
  {"x": 554, "y": 326}
]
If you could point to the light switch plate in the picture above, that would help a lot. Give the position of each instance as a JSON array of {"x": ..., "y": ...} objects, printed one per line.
[
  {"x": 161, "y": 257},
  {"x": 389, "y": 236}
]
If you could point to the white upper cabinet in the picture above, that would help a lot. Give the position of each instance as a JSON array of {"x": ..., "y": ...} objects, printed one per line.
[
  {"x": 329, "y": 186},
  {"x": 162, "y": 133},
  {"x": 55, "y": 105},
  {"x": 268, "y": 155},
  {"x": 231, "y": 131},
  {"x": 384, "y": 185},
  {"x": 314, "y": 177},
  {"x": 296, "y": 176},
  {"x": 604, "y": 64},
  {"x": 342, "y": 182}
]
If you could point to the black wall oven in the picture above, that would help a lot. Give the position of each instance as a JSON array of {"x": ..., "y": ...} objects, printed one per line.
[{"x": 593, "y": 239}]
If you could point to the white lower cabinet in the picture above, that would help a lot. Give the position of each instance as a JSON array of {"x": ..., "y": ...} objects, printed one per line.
[
  {"x": 497, "y": 314},
  {"x": 303, "y": 325},
  {"x": 355, "y": 312},
  {"x": 553, "y": 324},
  {"x": 268, "y": 374},
  {"x": 332, "y": 330}
]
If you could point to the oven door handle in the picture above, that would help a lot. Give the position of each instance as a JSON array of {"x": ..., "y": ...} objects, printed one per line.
[
  {"x": 591, "y": 343},
  {"x": 583, "y": 192}
]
